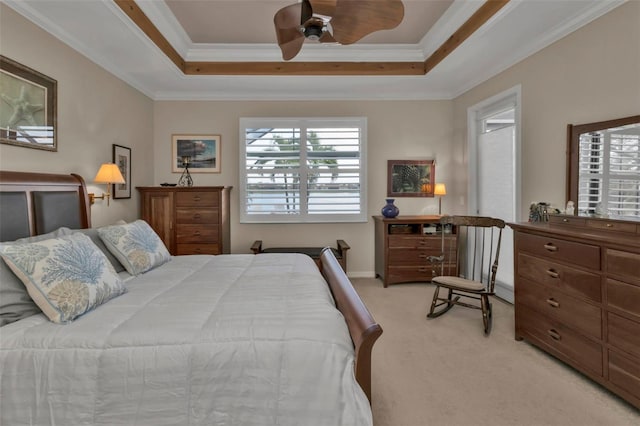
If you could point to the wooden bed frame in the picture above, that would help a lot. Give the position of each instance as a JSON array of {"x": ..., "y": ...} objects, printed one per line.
[{"x": 37, "y": 203}]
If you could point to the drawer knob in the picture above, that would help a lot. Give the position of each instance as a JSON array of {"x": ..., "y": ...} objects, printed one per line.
[
  {"x": 553, "y": 303},
  {"x": 550, "y": 247},
  {"x": 565, "y": 220},
  {"x": 554, "y": 334},
  {"x": 196, "y": 233},
  {"x": 196, "y": 198},
  {"x": 552, "y": 273},
  {"x": 609, "y": 225},
  {"x": 196, "y": 216}
]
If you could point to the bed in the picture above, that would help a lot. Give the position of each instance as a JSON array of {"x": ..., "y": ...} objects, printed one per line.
[{"x": 215, "y": 340}]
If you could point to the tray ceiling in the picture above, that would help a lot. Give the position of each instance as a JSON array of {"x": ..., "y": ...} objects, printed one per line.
[{"x": 236, "y": 37}]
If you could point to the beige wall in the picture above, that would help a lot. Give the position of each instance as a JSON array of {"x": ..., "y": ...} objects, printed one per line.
[
  {"x": 95, "y": 110},
  {"x": 591, "y": 75},
  {"x": 396, "y": 130}
]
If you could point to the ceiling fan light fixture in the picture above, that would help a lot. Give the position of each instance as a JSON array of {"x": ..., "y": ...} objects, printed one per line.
[{"x": 313, "y": 32}]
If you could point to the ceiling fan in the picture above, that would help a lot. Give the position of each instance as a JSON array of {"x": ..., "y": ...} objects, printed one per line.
[{"x": 333, "y": 21}]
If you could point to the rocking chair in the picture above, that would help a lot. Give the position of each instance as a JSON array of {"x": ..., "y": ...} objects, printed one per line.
[{"x": 475, "y": 251}]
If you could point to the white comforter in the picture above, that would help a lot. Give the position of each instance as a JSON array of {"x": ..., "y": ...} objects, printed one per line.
[{"x": 202, "y": 340}]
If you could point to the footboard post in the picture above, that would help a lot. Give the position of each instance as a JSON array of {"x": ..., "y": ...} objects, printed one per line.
[{"x": 363, "y": 329}]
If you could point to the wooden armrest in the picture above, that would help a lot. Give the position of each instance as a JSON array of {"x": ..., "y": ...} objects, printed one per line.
[
  {"x": 256, "y": 247},
  {"x": 343, "y": 247}
]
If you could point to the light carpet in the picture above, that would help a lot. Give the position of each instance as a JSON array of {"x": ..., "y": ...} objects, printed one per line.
[{"x": 444, "y": 371}]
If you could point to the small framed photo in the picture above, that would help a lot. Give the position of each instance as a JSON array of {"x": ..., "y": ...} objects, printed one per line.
[
  {"x": 410, "y": 178},
  {"x": 200, "y": 152},
  {"x": 122, "y": 159},
  {"x": 29, "y": 107}
]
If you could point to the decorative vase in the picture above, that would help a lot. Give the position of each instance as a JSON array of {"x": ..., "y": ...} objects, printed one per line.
[{"x": 390, "y": 210}]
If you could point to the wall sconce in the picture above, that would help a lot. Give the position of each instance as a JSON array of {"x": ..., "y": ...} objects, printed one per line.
[
  {"x": 109, "y": 173},
  {"x": 440, "y": 190}
]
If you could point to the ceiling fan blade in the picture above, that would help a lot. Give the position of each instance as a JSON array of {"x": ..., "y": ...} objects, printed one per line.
[
  {"x": 287, "y": 24},
  {"x": 306, "y": 11},
  {"x": 354, "y": 19},
  {"x": 323, "y": 7},
  {"x": 326, "y": 37}
]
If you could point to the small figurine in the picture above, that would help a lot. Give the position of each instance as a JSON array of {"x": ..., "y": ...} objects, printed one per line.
[{"x": 570, "y": 210}]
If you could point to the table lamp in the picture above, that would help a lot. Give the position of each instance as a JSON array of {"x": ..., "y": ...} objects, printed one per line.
[{"x": 440, "y": 190}]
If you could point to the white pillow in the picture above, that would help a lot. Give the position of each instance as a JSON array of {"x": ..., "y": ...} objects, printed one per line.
[
  {"x": 136, "y": 245},
  {"x": 66, "y": 276}
]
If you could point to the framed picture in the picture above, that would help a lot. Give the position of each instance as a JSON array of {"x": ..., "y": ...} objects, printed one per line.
[
  {"x": 201, "y": 152},
  {"x": 122, "y": 158},
  {"x": 410, "y": 178},
  {"x": 28, "y": 112}
]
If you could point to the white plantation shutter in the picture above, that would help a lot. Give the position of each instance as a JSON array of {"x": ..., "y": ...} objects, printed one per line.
[
  {"x": 302, "y": 170},
  {"x": 609, "y": 172}
]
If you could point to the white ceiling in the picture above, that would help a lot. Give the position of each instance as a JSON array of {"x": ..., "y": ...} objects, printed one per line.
[{"x": 242, "y": 31}]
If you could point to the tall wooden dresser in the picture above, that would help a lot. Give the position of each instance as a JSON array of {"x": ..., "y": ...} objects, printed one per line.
[
  {"x": 577, "y": 296},
  {"x": 403, "y": 245},
  {"x": 189, "y": 220}
]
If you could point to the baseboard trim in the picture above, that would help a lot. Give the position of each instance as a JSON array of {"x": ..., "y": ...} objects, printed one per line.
[{"x": 504, "y": 291}]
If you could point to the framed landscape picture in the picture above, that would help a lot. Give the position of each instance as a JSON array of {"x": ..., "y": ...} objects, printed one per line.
[
  {"x": 410, "y": 178},
  {"x": 28, "y": 113},
  {"x": 201, "y": 152},
  {"x": 122, "y": 159}
]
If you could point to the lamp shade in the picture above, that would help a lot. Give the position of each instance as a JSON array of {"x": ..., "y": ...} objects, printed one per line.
[
  {"x": 440, "y": 189},
  {"x": 109, "y": 173}
]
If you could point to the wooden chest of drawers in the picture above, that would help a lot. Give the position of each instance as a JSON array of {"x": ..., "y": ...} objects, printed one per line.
[
  {"x": 577, "y": 296},
  {"x": 191, "y": 220},
  {"x": 403, "y": 245}
]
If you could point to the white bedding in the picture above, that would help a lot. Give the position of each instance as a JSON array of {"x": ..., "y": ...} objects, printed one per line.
[{"x": 202, "y": 340}]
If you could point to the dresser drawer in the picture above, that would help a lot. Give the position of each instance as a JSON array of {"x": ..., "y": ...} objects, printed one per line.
[
  {"x": 624, "y": 334},
  {"x": 184, "y": 249},
  {"x": 624, "y": 372},
  {"x": 412, "y": 256},
  {"x": 575, "y": 313},
  {"x": 623, "y": 264},
  {"x": 196, "y": 215},
  {"x": 574, "y": 281},
  {"x": 567, "y": 220},
  {"x": 612, "y": 226},
  {"x": 554, "y": 336},
  {"x": 197, "y": 199},
  {"x": 414, "y": 242},
  {"x": 196, "y": 234},
  {"x": 580, "y": 254},
  {"x": 624, "y": 296}
]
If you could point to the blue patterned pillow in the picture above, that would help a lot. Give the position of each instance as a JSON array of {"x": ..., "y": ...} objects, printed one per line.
[
  {"x": 15, "y": 302},
  {"x": 136, "y": 245},
  {"x": 66, "y": 276}
]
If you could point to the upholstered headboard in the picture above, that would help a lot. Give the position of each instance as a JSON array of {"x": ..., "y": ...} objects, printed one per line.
[{"x": 37, "y": 203}]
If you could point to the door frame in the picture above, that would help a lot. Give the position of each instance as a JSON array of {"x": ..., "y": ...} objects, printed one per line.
[{"x": 509, "y": 98}]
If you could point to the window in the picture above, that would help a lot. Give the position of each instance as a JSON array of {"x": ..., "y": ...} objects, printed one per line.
[
  {"x": 609, "y": 172},
  {"x": 302, "y": 170}
]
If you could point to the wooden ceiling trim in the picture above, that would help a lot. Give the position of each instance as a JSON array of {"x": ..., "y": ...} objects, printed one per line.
[
  {"x": 478, "y": 19},
  {"x": 304, "y": 68},
  {"x": 139, "y": 18}
]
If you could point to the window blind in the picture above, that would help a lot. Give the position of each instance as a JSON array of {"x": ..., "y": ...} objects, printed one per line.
[
  {"x": 302, "y": 170},
  {"x": 609, "y": 173}
]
